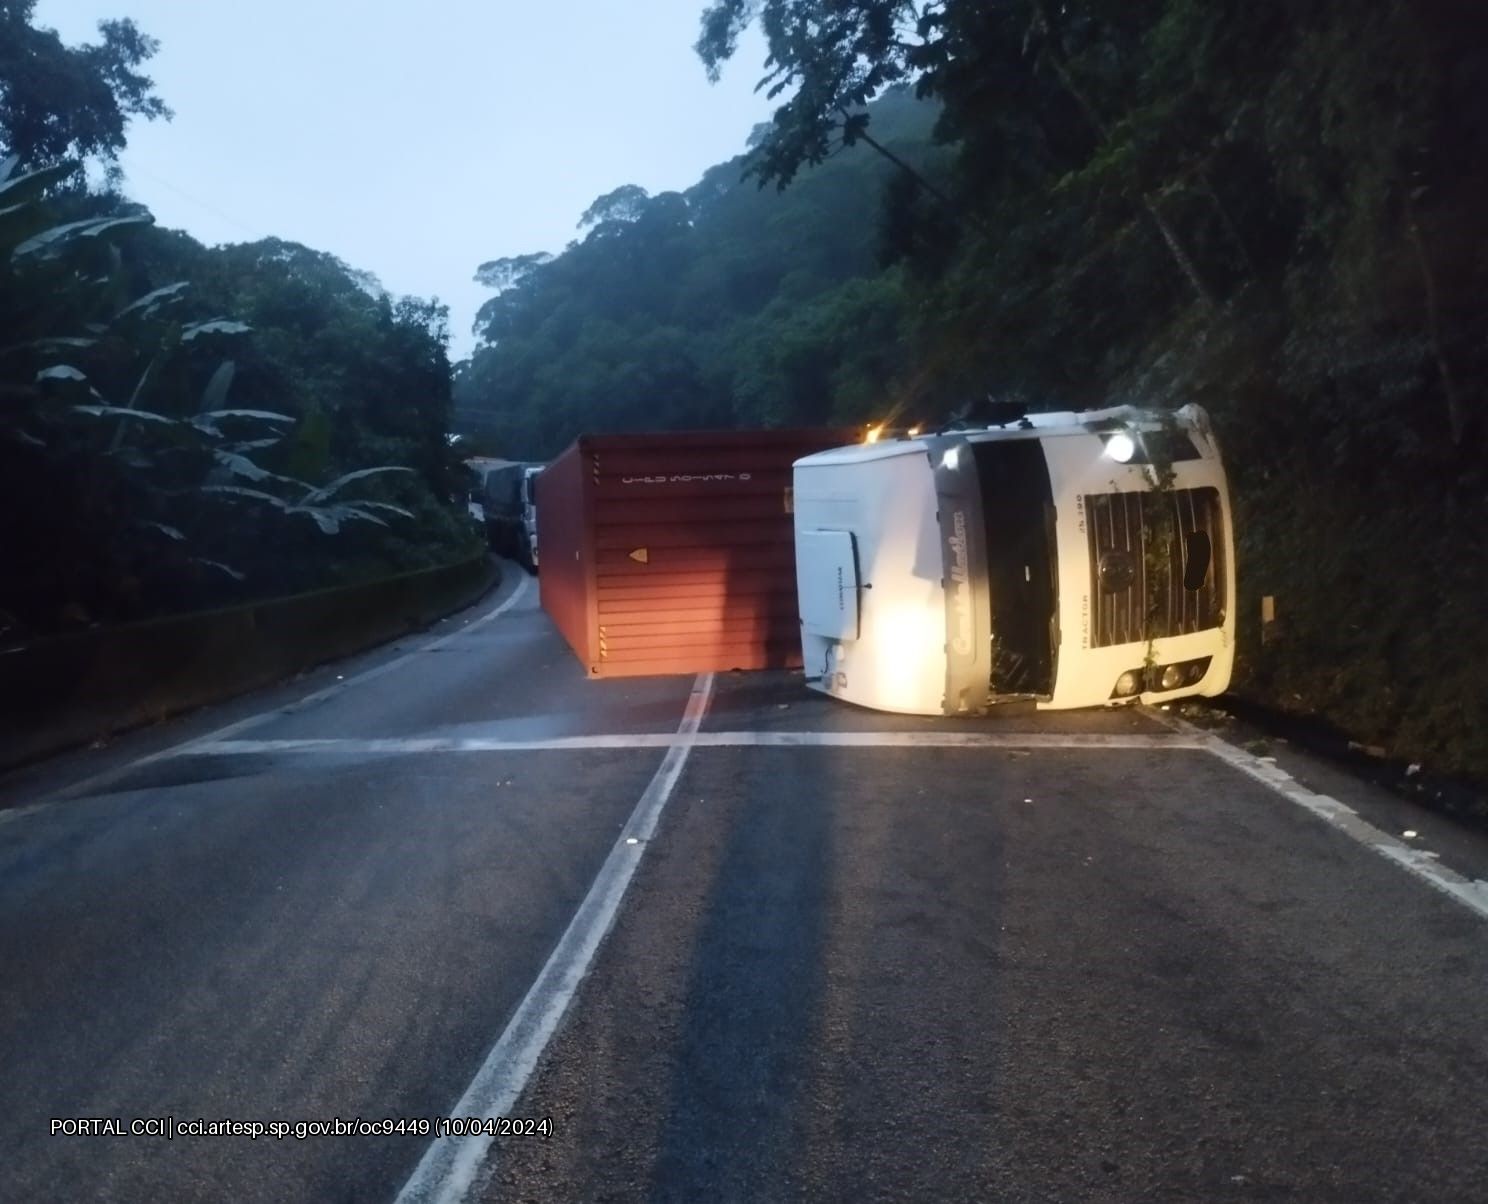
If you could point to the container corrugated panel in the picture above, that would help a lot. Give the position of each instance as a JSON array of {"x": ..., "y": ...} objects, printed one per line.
[{"x": 674, "y": 553}]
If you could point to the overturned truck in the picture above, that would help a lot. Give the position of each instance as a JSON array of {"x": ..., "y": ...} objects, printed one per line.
[{"x": 1061, "y": 560}]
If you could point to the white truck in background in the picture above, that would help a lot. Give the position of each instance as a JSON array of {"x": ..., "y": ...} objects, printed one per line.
[
  {"x": 529, "y": 512},
  {"x": 504, "y": 500},
  {"x": 1062, "y": 560}
]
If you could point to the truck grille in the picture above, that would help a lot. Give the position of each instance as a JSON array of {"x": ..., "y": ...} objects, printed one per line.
[{"x": 1136, "y": 592}]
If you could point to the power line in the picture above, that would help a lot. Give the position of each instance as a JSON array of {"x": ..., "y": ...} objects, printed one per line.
[{"x": 197, "y": 201}]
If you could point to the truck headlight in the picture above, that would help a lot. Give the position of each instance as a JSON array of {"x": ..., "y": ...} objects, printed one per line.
[
  {"x": 1121, "y": 447},
  {"x": 1173, "y": 677},
  {"x": 1127, "y": 684}
]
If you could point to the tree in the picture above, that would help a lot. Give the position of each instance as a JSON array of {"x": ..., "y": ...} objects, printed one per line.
[
  {"x": 832, "y": 57},
  {"x": 616, "y": 208},
  {"x": 835, "y": 57},
  {"x": 502, "y": 274},
  {"x": 722, "y": 305},
  {"x": 59, "y": 102}
]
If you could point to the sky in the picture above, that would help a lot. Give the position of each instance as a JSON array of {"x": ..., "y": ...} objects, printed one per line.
[{"x": 417, "y": 141}]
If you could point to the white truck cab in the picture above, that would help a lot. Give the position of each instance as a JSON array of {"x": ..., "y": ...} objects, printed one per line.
[{"x": 1062, "y": 560}]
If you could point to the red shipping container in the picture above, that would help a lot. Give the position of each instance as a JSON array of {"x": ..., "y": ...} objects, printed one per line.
[{"x": 675, "y": 552}]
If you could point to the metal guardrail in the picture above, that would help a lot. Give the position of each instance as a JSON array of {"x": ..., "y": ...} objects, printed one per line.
[{"x": 70, "y": 690}]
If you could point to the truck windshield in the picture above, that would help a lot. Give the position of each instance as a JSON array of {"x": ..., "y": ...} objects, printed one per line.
[{"x": 1019, "y": 511}]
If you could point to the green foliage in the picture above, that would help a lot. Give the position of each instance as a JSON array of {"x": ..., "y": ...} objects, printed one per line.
[
  {"x": 59, "y": 102},
  {"x": 1272, "y": 208},
  {"x": 1379, "y": 624},
  {"x": 831, "y": 59},
  {"x": 820, "y": 361},
  {"x": 137, "y": 484},
  {"x": 182, "y": 427},
  {"x": 726, "y": 305}
]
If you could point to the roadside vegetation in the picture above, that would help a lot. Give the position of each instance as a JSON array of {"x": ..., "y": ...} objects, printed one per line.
[
  {"x": 183, "y": 426},
  {"x": 1272, "y": 208},
  {"x": 723, "y": 306}
]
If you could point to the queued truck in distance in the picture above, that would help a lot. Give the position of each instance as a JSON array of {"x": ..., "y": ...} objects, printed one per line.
[
  {"x": 1062, "y": 560},
  {"x": 501, "y": 502},
  {"x": 529, "y": 512}
]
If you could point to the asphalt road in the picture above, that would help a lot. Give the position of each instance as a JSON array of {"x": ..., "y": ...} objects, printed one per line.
[{"x": 849, "y": 956}]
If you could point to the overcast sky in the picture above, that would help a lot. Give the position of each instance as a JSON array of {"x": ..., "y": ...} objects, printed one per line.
[{"x": 417, "y": 140}]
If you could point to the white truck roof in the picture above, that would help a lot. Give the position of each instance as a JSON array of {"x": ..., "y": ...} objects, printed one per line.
[{"x": 1052, "y": 423}]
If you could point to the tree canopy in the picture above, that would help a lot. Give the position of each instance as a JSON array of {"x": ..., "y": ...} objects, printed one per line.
[
  {"x": 1273, "y": 208},
  {"x": 183, "y": 426},
  {"x": 688, "y": 309},
  {"x": 59, "y": 101}
]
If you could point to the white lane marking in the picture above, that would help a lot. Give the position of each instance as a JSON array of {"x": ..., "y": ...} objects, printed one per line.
[
  {"x": 1472, "y": 893},
  {"x": 479, "y": 744},
  {"x": 15, "y": 813},
  {"x": 449, "y": 1167},
  {"x": 109, "y": 776}
]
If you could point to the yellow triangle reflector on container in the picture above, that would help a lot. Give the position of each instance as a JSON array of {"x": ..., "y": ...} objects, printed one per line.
[{"x": 641, "y": 556}]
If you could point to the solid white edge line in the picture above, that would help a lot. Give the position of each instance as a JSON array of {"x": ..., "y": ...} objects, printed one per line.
[
  {"x": 449, "y": 1167},
  {"x": 1471, "y": 893},
  {"x": 108, "y": 776},
  {"x": 400, "y": 745}
]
